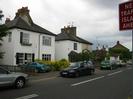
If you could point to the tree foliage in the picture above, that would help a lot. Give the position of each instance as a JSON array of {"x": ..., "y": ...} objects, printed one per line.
[
  {"x": 124, "y": 54},
  {"x": 3, "y": 32}
]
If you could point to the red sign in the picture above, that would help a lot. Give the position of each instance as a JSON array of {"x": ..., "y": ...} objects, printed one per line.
[{"x": 126, "y": 16}]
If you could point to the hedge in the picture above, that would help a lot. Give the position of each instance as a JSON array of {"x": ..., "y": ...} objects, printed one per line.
[{"x": 55, "y": 65}]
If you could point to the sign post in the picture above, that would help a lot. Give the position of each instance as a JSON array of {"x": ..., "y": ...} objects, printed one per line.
[{"x": 126, "y": 23}]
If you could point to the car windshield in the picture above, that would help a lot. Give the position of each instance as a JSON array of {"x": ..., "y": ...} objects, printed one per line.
[
  {"x": 105, "y": 62},
  {"x": 73, "y": 65}
]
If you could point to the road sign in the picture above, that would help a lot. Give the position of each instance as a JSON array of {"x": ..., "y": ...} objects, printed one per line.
[{"x": 126, "y": 16}]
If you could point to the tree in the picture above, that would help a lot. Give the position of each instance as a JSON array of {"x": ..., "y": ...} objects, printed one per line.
[
  {"x": 123, "y": 53},
  {"x": 3, "y": 32}
]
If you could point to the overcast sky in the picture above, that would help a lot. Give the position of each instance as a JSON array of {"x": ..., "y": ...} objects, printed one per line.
[{"x": 96, "y": 20}]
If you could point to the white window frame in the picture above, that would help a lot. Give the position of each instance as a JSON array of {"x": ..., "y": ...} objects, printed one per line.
[
  {"x": 26, "y": 38},
  {"x": 46, "y": 40},
  {"x": 46, "y": 57},
  {"x": 75, "y": 46}
]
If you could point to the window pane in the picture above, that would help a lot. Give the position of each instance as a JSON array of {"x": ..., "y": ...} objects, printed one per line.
[
  {"x": 46, "y": 57},
  {"x": 25, "y": 38},
  {"x": 75, "y": 46},
  {"x": 46, "y": 41}
]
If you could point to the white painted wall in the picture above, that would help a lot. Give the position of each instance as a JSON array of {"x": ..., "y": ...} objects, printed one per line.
[
  {"x": 11, "y": 48},
  {"x": 8, "y": 49},
  {"x": 63, "y": 48}
]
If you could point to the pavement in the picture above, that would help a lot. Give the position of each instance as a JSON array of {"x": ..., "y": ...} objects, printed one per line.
[
  {"x": 54, "y": 74},
  {"x": 46, "y": 75}
]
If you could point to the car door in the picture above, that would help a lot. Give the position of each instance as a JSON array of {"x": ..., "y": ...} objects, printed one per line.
[
  {"x": 82, "y": 69},
  {"x": 5, "y": 77},
  {"x": 87, "y": 68}
]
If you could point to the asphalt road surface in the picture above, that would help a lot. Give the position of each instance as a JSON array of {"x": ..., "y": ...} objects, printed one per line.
[{"x": 106, "y": 84}]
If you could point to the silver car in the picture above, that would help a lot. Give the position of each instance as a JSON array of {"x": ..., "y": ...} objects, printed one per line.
[{"x": 7, "y": 78}]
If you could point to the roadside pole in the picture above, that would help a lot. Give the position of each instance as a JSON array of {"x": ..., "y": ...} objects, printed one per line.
[{"x": 131, "y": 94}]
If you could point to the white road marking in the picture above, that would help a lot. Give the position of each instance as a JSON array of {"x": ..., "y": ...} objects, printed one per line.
[
  {"x": 86, "y": 81},
  {"x": 115, "y": 73},
  {"x": 28, "y": 96},
  {"x": 43, "y": 79}
]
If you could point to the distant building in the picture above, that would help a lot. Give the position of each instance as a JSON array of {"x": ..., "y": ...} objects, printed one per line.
[
  {"x": 26, "y": 40},
  {"x": 117, "y": 50},
  {"x": 119, "y": 46},
  {"x": 67, "y": 42}
]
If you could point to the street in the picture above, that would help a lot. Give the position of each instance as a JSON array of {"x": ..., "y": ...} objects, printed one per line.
[{"x": 105, "y": 84}]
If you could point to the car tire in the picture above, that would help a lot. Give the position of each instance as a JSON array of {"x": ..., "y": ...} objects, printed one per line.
[{"x": 20, "y": 83}]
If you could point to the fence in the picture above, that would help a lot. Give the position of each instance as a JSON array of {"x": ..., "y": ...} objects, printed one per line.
[{"x": 13, "y": 68}]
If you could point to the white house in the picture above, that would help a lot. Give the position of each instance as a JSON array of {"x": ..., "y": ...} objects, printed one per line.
[
  {"x": 26, "y": 41},
  {"x": 67, "y": 41}
]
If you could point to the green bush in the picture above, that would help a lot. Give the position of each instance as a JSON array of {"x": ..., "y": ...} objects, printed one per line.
[{"x": 55, "y": 65}]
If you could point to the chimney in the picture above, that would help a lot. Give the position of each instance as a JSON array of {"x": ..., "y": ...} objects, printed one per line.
[
  {"x": 23, "y": 11},
  {"x": 118, "y": 42},
  {"x": 69, "y": 29},
  {"x": 7, "y": 20},
  {"x": 24, "y": 14}
]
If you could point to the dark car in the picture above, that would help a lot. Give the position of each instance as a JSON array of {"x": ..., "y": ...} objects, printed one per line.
[
  {"x": 38, "y": 67},
  {"x": 77, "y": 69}
]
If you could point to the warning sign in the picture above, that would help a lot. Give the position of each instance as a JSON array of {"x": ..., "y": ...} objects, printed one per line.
[{"x": 126, "y": 16}]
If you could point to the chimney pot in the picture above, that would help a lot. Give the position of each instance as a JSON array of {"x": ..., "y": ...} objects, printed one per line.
[{"x": 7, "y": 20}]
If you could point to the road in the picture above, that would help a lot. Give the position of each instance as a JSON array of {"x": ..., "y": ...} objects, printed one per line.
[{"x": 106, "y": 84}]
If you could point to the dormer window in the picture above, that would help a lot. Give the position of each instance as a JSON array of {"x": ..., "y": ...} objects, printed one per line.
[{"x": 24, "y": 39}]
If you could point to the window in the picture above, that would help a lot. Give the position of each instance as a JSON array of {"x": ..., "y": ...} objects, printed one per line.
[
  {"x": 20, "y": 58},
  {"x": 24, "y": 38},
  {"x": 46, "y": 41},
  {"x": 9, "y": 36},
  {"x": 46, "y": 57},
  {"x": 29, "y": 58},
  {"x": 24, "y": 58},
  {"x": 75, "y": 46},
  {"x": 2, "y": 71}
]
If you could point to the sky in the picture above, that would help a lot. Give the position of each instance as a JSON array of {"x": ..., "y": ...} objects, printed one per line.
[{"x": 96, "y": 20}]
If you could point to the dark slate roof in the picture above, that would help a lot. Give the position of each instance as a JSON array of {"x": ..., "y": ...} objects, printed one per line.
[
  {"x": 66, "y": 36},
  {"x": 21, "y": 24}
]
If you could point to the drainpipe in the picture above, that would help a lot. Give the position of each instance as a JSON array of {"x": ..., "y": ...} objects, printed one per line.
[{"x": 39, "y": 46}]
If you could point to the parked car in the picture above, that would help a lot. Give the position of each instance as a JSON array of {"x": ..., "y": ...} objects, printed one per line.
[
  {"x": 77, "y": 69},
  {"x": 8, "y": 78},
  {"x": 38, "y": 67},
  {"x": 107, "y": 64}
]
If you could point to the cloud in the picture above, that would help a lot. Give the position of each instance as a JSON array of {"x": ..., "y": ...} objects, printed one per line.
[{"x": 95, "y": 19}]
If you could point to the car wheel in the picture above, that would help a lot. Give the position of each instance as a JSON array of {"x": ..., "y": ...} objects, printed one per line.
[
  {"x": 19, "y": 83},
  {"x": 77, "y": 74}
]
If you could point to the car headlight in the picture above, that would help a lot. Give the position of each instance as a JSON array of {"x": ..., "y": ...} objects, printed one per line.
[{"x": 71, "y": 71}]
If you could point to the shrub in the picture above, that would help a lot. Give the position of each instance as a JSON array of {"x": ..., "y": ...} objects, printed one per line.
[{"x": 55, "y": 65}]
